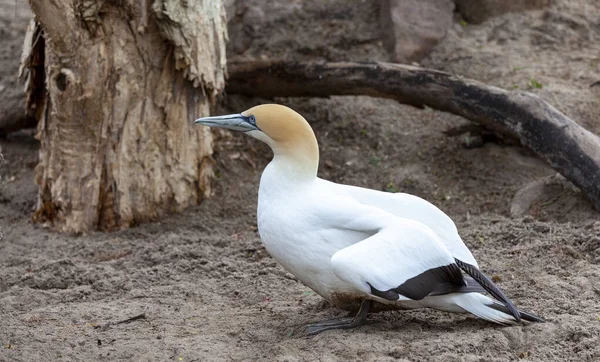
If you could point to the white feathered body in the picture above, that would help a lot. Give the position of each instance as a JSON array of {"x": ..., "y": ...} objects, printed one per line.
[
  {"x": 339, "y": 240},
  {"x": 351, "y": 244}
]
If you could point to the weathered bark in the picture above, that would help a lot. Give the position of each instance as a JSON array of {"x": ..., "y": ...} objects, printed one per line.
[
  {"x": 566, "y": 146},
  {"x": 20, "y": 112},
  {"x": 124, "y": 81},
  {"x": 1, "y": 162}
]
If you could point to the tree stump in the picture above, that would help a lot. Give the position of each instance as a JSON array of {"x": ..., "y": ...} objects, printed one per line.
[{"x": 116, "y": 86}]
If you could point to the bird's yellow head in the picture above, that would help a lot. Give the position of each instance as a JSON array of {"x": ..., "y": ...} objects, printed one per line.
[{"x": 287, "y": 133}]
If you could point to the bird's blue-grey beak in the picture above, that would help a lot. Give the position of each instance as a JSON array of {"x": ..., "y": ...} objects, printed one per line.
[{"x": 235, "y": 122}]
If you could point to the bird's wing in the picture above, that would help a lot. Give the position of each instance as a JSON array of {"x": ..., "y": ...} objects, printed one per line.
[
  {"x": 402, "y": 255},
  {"x": 405, "y": 259},
  {"x": 414, "y": 208}
]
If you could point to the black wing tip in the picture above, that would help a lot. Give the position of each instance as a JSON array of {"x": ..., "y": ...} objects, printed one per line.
[
  {"x": 530, "y": 317},
  {"x": 490, "y": 287},
  {"x": 513, "y": 310},
  {"x": 526, "y": 316}
]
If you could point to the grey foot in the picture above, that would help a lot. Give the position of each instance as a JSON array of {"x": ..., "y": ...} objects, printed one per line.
[{"x": 341, "y": 323}]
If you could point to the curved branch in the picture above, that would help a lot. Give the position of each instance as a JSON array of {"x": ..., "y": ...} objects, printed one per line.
[{"x": 566, "y": 146}]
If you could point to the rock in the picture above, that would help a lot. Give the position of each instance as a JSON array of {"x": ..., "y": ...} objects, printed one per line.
[
  {"x": 471, "y": 141},
  {"x": 477, "y": 11},
  {"x": 230, "y": 9},
  {"x": 14, "y": 117},
  {"x": 551, "y": 195},
  {"x": 528, "y": 195},
  {"x": 240, "y": 31},
  {"x": 525, "y": 197},
  {"x": 247, "y": 18},
  {"x": 411, "y": 28}
]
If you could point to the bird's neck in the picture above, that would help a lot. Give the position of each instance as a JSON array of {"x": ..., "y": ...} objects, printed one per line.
[
  {"x": 283, "y": 180},
  {"x": 297, "y": 158},
  {"x": 294, "y": 166}
]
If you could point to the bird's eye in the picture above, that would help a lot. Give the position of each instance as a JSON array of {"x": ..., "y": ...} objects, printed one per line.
[{"x": 252, "y": 120}]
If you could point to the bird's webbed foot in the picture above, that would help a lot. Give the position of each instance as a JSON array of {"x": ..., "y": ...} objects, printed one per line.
[{"x": 341, "y": 323}]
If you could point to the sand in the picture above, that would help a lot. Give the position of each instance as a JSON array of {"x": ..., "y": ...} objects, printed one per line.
[{"x": 205, "y": 284}]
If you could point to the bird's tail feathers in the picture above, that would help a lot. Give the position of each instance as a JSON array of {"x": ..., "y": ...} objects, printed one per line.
[
  {"x": 490, "y": 287},
  {"x": 486, "y": 308}
]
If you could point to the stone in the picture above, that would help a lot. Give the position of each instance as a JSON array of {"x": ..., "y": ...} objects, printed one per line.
[
  {"x": 549, "y": 193},
  {"x": 411, "y": 28},
  {"x": 477, "y": 11},
  {"x": 248, "y": 18},
  {"x": 527, "y": 196}
]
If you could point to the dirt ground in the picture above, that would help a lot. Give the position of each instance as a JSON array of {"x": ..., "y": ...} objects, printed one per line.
[{"x": 209, "y": 290}]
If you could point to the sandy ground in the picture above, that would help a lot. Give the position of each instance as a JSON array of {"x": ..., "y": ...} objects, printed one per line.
[{"x": 209, "y": 290}]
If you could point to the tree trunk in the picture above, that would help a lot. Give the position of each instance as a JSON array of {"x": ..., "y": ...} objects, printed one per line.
[{"x": 124, "y": 80}]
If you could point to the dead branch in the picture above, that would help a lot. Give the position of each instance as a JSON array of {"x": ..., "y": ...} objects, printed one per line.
[{"x": 566, "y": 146}]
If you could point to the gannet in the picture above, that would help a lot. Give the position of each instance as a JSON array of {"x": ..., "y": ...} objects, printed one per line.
[{"x": 360, "y": 249}]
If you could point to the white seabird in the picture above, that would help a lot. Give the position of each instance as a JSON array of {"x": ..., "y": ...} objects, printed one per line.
[{"x": 356, "y": 246}]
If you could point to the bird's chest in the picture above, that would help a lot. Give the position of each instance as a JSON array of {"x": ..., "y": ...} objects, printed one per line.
[
  {"x": 293, "y": 231},
  {"x": 303, "y": 245},
  {"x": 291, "y": 240}
]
